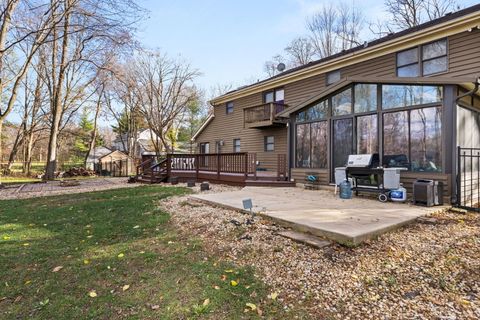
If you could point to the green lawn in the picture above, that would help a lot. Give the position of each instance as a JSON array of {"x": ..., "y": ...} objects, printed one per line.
[{"x": 112, "y": 254}]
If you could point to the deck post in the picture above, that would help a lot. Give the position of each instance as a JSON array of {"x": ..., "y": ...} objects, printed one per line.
[
  {"x": 197, "y": 166},
  {"x": 169, "y": 165},
  {"x": 246, "y": 166},
  {"x": 254, "y": 166},
  {"x": 218, "y": 166}
]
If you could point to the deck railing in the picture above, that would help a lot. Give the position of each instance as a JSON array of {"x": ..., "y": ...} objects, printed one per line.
[{"x": 263, "y": 112}]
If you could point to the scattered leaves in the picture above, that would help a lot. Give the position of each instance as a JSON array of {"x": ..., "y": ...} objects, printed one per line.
[
  {"x": 125, "y": 287},
  {"x": 252, "y": 306},
  {"x": 58, "y": 268},
  {"x": 86, "y": 261},
  {"x": 92, "y": 294},
  {"x": 206, "y": 302},
  {"x": 121, "y": 255},
  {"x": 233, "y": 283}
]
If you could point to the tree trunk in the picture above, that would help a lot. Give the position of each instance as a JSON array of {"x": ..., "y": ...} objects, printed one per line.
[
  {"x": 57, "y": 106},
  {"x": 91, "y": 146}
]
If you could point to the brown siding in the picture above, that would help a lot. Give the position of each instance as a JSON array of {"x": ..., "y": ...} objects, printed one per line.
[
  {"x": 464, "y": 50},
  {"x": 227, "y": 127},
  {"x": 464, "y": 53}
]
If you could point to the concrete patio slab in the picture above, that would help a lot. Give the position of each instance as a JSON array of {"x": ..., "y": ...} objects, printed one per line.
[{"x": 321, "y": 213}]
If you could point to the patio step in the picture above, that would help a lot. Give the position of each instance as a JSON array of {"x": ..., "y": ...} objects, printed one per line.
[
  {"x": 269, "y": 183},
  {"x": 305, "y": 238}
]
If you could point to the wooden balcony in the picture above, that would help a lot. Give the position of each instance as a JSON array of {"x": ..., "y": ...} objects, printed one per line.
[{"x": 264, "y": 115}]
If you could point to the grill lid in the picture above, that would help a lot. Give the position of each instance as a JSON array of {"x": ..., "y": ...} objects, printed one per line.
[{"x": 361, "y": 160}]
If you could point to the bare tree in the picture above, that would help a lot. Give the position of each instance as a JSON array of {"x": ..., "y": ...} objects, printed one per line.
[
  {"x": 23, "y": 29},
  {"x": 79, "y": 50},
  {"x": 270, "y": 67},
  {"x": 405, "y": 14},
  {"x": 165, "y": 88},
  {"x": 300, "y": 51},
  {"x": 438, "y": 8},
  {"x": 349, "y": 25},
  {"x": 322, "y": 27}
]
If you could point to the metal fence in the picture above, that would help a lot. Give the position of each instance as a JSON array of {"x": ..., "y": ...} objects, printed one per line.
[{"x": 468, "y": 178}]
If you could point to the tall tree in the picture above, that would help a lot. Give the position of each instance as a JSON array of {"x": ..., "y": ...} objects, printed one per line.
[
  {"x": 80, "y": 48},
  {"x": 300, "y": 51},
  {"x": 165, "y": 88}
]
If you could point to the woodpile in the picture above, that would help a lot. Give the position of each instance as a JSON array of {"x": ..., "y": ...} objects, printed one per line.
[{"x": 78, "y": 172}]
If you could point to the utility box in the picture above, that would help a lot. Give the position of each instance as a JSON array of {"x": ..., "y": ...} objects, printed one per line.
[
  {"x": 427, "y": 192},
  {"x": 391, "y": 178}
]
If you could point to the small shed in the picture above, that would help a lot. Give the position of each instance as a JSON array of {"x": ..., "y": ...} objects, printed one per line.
[
  {"x": 95, "y": 155},
  {"x": 117, "y": 164}
]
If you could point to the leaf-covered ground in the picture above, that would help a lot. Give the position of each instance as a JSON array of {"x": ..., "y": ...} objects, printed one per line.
[{"x": 112, "y": 254}]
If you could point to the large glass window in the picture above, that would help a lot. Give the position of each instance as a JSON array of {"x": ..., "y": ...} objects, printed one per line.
[
  {"x": 425, "y": 139},
  {"x": 367, "y": 134},
  {"x": 318, "y": 111},
  {"x": 395, "y": 139},
  {"x": 399, "y": 96},
  {"x": 342, "y": 141},
  {"x": 303, "y": 145},
  {"x": 413, "y": 139},
  {"x": 342, "y": 103},
  {"x": 319, "y": 131},
  {"x": 312, "y": 143},
  {"x": 365, "y": 98}
]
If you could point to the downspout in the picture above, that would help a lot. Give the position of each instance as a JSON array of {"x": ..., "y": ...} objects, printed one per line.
[{"x": 469, "y": 93}]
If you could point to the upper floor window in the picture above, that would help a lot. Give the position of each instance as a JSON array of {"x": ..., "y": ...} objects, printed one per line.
[
  {"x": 434, "y": 57},
  {"x": 236, "y": 145},
  {"x": 333, "y": 76},
  {"x": 229, "y": 107},
  {"x": 424, "y": 60},
  {"x": 269, "y": 143},
  {"x": 277, "y": 95}
]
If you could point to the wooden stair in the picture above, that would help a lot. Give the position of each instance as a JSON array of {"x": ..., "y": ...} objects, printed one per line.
[{"x": 148, "y": 173}]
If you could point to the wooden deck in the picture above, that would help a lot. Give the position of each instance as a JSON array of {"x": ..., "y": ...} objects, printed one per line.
[{"x": 224, "y": 168}]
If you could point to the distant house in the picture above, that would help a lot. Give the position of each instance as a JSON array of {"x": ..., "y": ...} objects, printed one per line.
[
  {"x": 144, "y": 143},
  {"x": 95, "y": 155}
]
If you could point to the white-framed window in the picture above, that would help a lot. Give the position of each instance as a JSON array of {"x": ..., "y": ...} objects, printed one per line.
[
  {"x": 236, "y": 145},
  {"x": 229, "y": 107},
  {"x": 269, "y": 143}
]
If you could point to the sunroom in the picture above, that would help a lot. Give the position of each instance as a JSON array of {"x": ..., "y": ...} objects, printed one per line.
[{"x": 409, "y": 125}]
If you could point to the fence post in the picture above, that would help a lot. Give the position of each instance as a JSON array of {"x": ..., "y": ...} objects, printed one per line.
[{"x": 459, "y": 182}]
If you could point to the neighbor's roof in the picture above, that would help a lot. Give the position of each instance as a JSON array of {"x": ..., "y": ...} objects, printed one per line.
[{"x": 452, "y": 23}]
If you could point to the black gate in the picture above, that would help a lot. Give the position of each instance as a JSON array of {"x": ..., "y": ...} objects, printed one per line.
[{"x": 468, "y": 178}]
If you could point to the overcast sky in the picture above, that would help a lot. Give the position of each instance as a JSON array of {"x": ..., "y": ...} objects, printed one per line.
[{"x": 229, "y": 40}]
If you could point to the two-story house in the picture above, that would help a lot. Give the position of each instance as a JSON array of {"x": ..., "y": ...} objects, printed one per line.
[{"x": 411, "y": 97}]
